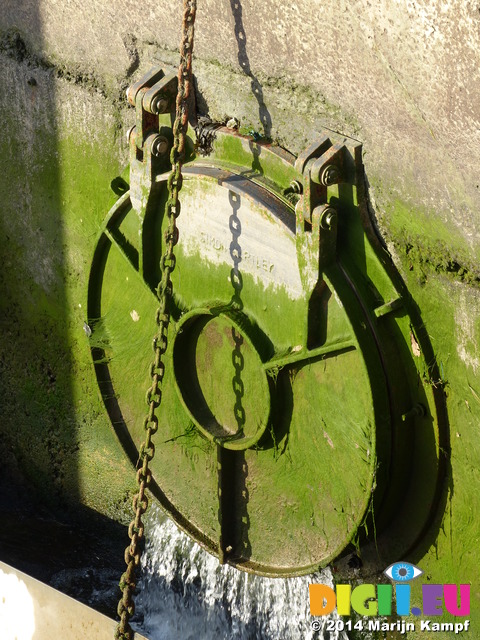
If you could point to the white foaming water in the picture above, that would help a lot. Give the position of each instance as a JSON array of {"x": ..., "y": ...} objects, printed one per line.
[{"x": 185, "y": 593}]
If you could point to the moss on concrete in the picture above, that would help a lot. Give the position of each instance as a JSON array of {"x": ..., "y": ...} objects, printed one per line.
[
  {"x": 432, "y": 243},
  {"x": 443, "y": 278},
  {"x": 58, "y": 190}
]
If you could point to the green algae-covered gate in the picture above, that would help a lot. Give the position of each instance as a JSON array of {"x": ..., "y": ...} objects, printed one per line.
[{"x": 295, "y": 408}]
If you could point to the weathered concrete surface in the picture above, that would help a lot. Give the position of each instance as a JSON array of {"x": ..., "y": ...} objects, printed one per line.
[
  {"x": 51, "y": 159},
  {"x": 31, "y": 610},
  {"x": 400, "y": 76}
]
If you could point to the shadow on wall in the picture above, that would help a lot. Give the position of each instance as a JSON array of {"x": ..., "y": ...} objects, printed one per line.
[
  {"x": 244, "y": 63},
  {"x": 39, "y": 440},
  {"x": 37, "y": 420}
]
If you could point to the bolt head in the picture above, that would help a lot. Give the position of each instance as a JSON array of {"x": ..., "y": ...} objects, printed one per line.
[
  {"x": 327, "y": 219},
  {"x": 330, "y": 175},
  {"x": 160, "y": 146},
  {"x": 159, "y": 105}
]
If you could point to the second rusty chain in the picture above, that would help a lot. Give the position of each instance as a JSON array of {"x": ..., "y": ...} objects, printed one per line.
[{"x": 126, "y": 606}]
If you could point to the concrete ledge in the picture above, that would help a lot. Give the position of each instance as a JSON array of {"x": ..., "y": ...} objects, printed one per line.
[{"x": 31, "y": 610}]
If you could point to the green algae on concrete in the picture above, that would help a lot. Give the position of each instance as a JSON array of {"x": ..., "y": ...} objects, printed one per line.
[
  {"x": 450, "y": 310},
  {"x": 57, "y": 179}
]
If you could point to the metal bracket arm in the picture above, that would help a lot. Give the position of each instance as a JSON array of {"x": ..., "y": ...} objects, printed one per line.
[
  {"x": 323, "y": 164},
  {"x": 150, "y": 143}
]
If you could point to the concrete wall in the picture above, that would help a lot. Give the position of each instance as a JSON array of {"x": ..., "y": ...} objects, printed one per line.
[
  {"x": 33, "y": 611},
  {"x": 401, "y": 76}
]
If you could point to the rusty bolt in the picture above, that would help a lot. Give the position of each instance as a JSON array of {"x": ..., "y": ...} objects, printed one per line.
[
  {"x": 296, "y": 186},
  {"x": 330, "y": 175},
  {"x": 158, "y": 105},
  {"x": 327, "y": 219},
  {"x": 160, "y": 146}
]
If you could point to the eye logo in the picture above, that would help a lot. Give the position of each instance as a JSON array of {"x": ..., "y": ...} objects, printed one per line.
[{"x": 402, "y": 572}]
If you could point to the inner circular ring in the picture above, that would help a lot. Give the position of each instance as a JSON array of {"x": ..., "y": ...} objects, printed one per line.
[{"x": 220, "y": 377}]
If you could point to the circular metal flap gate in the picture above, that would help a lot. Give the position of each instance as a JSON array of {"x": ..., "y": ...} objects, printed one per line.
[{"x": 287, "y": 411}]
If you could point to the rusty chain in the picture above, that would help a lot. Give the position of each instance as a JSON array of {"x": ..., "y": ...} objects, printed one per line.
[{"x": 126, "y": 606}]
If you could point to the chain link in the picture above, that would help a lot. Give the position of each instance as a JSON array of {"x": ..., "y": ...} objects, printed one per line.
[{"x": 126, "y": 607}]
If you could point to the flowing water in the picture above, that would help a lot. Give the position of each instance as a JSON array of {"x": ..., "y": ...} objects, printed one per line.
[{"x": 186, "y": 594}]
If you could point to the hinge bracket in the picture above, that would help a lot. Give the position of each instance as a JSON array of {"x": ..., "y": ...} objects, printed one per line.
[
  {"x": 150, "y": 143},
  {"x": 331, "y": 160}
]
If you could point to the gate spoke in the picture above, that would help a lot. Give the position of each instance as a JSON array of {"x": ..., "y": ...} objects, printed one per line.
[{"x": 320, "y": 353}]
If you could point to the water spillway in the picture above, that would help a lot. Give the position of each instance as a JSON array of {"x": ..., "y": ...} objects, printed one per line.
[{"x": 185, "y": 592}]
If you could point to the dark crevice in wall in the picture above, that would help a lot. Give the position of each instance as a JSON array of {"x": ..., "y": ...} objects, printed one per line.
[
  {"x": 130, "y": 44},
  {"x": 15, "y": 47}
]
